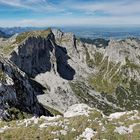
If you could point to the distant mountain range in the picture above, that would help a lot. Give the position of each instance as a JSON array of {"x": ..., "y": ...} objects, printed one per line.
[
  {"x": 107, "y": 32},
  {"x": 85, "y": 32},
  {"x": 2, "y": 34},
  {"x": 14, "y": 30}
]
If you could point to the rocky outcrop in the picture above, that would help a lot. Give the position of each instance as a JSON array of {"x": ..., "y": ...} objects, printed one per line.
[
  {"x": 48, "y": 63},
  {"x": 39, "y": 54},
  {"x": 79, "y": 122},
  {"x": 16, "y": 91},
  {"x": 72, "y": 71}
]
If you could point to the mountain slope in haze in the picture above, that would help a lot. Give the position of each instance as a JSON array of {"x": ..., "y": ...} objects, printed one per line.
[
  {"x": 3, "y": 35},
  {"x": 73, "y": 72},
  {"x": 16, "y": 30}
]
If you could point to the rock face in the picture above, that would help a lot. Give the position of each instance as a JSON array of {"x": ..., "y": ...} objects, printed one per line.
[
  {"x": 16, "y": 91},
  {"x": 72, "y": 71},
  {"x": 41, "y": 58},
  {"x": 40, "y": 54}
]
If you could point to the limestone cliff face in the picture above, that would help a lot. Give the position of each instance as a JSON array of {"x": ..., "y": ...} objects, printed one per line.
[
  {"x": 72, "y": 71},
  {"x": 16, "y": 91},
  {"x": 48, "y": 63},
  {"x": 33, "y": 55},
  {"x": 41, "y": 54}
]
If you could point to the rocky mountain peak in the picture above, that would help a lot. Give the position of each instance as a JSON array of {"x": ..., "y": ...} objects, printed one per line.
[
  {"x": 62, "y": 38},
  {"x": 119, "y": 50},
  {"x": 78, "y": 80},
  {"x": 40, "y": 33},
  {"x": 72, "y": 71},
  {"x": 39, "y": 53}
]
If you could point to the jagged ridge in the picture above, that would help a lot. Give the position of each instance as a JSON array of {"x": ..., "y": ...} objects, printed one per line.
[{"x": 72, "y": 71}]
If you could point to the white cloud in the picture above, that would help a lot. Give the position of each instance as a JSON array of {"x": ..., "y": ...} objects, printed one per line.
[
  {"x": 16, "y": 3},
  {"x": 89, "y": 13},
  {"x": 35, "y": 5},
  {"x": 114, "y": 8}
]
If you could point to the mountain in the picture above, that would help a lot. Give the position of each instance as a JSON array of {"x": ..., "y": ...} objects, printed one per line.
[
  {"x": 91, "y": 87},
  {"x": 3, "y": 35},
  {"x": 15, "y": 30},
  {"x": 72, "y": 71},
  {"x": 44, "y": 59}
]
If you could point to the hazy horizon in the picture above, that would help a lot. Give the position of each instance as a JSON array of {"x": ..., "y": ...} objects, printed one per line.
[
  {"x": 93, "y": 32},
  {"x": 80, "y": 26}
]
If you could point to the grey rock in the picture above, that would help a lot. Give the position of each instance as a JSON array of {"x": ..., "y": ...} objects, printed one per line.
[
  {"x": 59, "y": 59},
  {"x": 16, "y": 91}
]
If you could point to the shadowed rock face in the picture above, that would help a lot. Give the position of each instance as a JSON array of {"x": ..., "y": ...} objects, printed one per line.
[
  {"x": 42, "y": 56},
  {"x": 63, "y": 68},
  {"x": 16, "y": 91},
  {"x": 33, "y": 56},
  {"x": 39, "y": 55}
]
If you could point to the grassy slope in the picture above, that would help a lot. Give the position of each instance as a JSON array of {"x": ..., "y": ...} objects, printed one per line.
[
  {"x": 23, "y": 36},
  {"x": 111, "y": 81},
  {"x": 103, "y": 127},
  {"x": 6, "y": 50}
]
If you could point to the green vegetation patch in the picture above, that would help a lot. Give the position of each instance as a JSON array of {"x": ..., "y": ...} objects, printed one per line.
[
  {"x": 74, "y": 127},
  {"x": 83, "y": 94},
  {"x": 95, "y": 60},
  {"x": 128, "y": 97},
  {"x": 107, "y": 78},
  {"x": 17, "y": 114},
  {"x": 98, "y": 58},
  {"x": 7, "y": 49},
  {"x": 43, "y": 33},
  {"x": 2, "y": 76},
  {"x": 131, "y": 65},
  {"x": 81, "y": 91},
  {"x": 53, "y": 111}
]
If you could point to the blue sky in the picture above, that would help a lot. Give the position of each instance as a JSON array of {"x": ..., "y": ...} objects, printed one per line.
[{"x": 69, "y": 12}]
